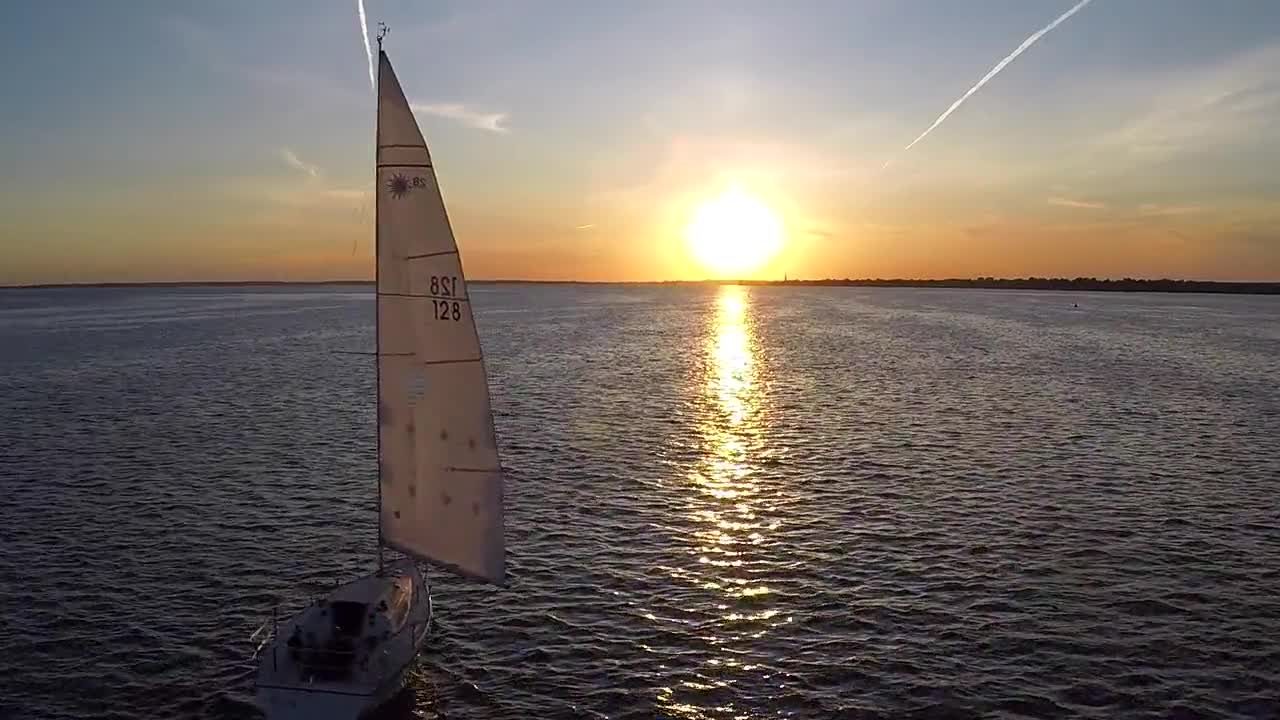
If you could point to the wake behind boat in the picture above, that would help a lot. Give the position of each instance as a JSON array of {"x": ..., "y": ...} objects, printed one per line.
[{"x": 440, "y": 478}]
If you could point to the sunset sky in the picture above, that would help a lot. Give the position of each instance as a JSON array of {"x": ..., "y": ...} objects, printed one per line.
[{"x": 576, "y": 140}]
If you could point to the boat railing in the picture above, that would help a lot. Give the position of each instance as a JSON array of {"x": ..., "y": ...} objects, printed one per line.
[{"x": 326, "y": 660}]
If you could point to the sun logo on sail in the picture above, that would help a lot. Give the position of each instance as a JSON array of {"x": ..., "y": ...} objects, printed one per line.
[{"x": 398, "y": 185}]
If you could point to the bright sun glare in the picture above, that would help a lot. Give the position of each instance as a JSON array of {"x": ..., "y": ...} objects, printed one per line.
[{"x": 733, "y": 234}]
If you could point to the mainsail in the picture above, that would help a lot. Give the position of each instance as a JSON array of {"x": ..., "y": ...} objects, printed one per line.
[{"x": 441, "y": 480}]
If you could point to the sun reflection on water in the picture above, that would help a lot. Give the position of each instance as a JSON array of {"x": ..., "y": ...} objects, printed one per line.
[{"x": 729, "y": 509}]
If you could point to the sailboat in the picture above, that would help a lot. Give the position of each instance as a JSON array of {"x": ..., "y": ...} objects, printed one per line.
[{"x": 439, "y": 474}]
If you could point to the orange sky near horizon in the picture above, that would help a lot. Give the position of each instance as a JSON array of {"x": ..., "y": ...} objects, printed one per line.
[{"x": 326, "y": 238}]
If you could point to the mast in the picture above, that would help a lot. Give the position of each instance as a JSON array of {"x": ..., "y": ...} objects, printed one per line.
[{"x": 377, "y": 297}]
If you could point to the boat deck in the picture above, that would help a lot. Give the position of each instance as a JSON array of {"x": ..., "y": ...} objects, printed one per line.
[{"x": 354, "y": 641}]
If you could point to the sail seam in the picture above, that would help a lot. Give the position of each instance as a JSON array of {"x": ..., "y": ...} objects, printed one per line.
[
  {"x": 430, "y": 255},
  {"x": 399, "y": 165},
  {"x": 449, "y": 362},
  {"x": 450, "y": 468},
  {"x": 433, "y": 297},
  {"x": 401, "y": 145}
]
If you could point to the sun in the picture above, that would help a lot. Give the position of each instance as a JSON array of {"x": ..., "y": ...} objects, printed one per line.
[{"x": 734, "y": 234}]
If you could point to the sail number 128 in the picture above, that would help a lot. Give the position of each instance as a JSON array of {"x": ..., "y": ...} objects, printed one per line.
[{"x": 445, "y": 286}]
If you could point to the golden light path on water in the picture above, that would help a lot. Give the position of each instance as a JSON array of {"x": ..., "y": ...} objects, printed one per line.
[{"x": 729, "y": 508}]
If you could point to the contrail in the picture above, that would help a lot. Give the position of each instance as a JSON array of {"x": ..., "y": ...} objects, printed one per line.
[
  {"x": 995, "y": 70},
  {"x": 368, "y": 51}
]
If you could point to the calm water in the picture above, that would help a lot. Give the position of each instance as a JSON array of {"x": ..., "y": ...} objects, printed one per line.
[{"x": 724, "y": 502}]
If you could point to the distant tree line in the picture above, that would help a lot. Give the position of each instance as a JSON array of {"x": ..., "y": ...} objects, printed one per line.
[
  {"x": 1039, "y": 283},
  {"x": 992, "y": 283}
]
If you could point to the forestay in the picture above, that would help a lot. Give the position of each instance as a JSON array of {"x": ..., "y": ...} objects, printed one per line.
[{"x": 438, "y": 465}]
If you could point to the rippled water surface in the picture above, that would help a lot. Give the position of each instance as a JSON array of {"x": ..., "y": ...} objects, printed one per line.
[{"x": 724, "y": 502}]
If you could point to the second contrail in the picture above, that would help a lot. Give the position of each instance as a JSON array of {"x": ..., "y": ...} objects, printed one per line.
[
  {"x": 995, "y": 70},
  {"x": 364, "y": 35}
]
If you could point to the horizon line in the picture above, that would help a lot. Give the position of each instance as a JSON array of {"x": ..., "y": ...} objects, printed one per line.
[{"x": 980, "y": 282}]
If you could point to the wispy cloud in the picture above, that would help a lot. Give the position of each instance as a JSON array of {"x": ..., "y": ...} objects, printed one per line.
[
  {"x": 995, "y": 71},
  {"x": 292, "y": 160},
  {"x": 1082, "y": 204},
  {"x": 1233, "y": 102},
  {"x": 1167, "y": 210},
  {"x": 588, "y": 226},
  {"x": 493, "y": 122},
  {"x": 1144, "y": 210},
  {"x": 364, "y": 35},
  {"x": 273, "y": 201}
]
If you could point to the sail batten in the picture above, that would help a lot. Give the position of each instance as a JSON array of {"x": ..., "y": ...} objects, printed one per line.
[
  {"x": 440, "y": 474},
  {"x": 428, "y": 255},
  {"x": 428, "y": 296}
]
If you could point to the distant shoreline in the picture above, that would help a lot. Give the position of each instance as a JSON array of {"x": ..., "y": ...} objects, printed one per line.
[{"x": 982, "y": 283}]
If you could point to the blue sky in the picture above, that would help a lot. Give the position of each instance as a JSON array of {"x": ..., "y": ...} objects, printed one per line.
[{"x": 164, "y": 140}]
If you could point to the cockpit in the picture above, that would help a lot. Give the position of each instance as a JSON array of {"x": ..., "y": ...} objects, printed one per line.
[{"x": 326, "y": 649}]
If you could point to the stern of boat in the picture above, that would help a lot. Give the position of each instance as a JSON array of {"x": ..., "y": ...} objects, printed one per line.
[{"x": 346, "y": 653}]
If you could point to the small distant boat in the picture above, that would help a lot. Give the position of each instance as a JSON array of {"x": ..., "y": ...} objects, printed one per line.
[{"x": 440, "y": 477}]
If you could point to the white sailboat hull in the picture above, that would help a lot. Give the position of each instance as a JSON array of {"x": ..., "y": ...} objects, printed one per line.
[
  {"x": 346, "y": 654},
  {"x": 299, "y": 704}
]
